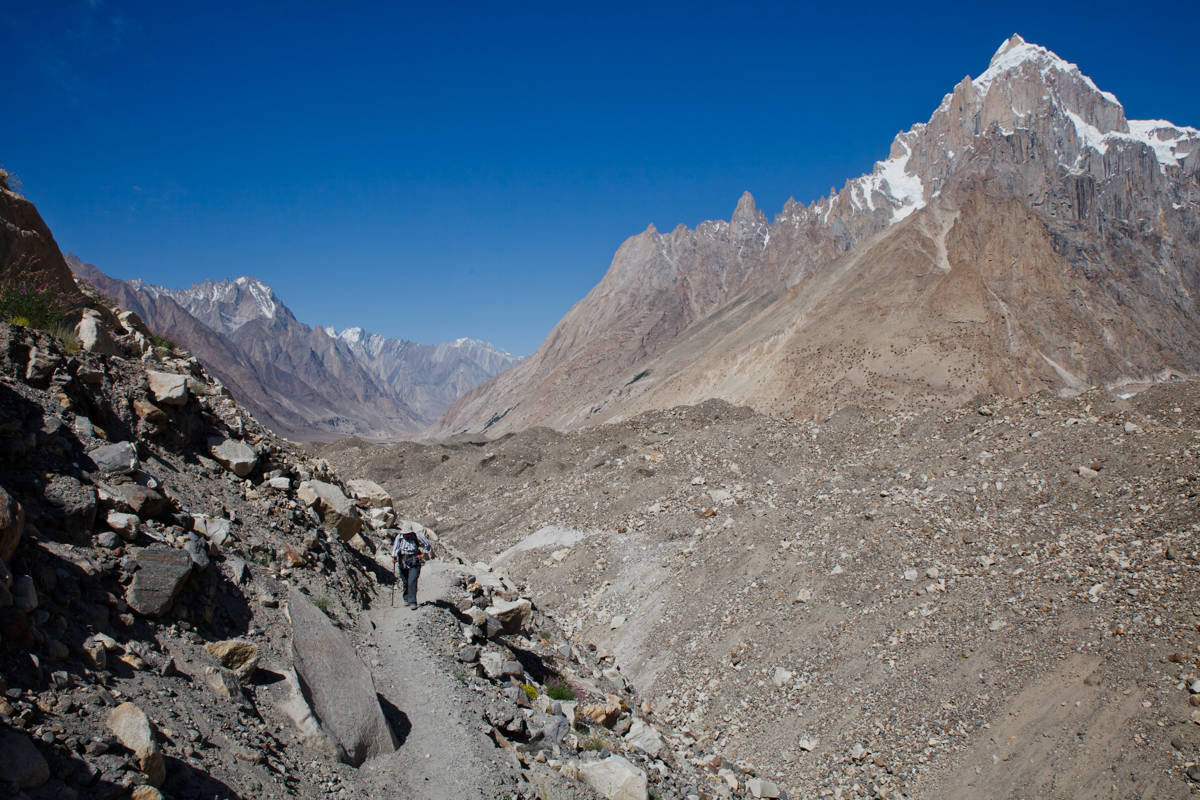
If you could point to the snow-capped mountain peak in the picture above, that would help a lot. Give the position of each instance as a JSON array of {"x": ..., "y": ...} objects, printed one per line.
[{"x": 1015, "y": 53}]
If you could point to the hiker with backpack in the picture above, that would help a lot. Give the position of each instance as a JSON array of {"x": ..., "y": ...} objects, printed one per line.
[{"x": 409, "y": 550}]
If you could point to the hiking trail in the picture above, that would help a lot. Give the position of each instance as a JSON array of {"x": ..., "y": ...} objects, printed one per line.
[{"x": 443, "y": 754}]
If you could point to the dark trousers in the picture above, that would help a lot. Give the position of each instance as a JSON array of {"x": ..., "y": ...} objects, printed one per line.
[{"x": 408, "y": 581}]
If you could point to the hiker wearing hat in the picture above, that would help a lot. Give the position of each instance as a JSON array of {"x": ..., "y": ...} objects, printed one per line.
[{"x": 408, "y": 551}]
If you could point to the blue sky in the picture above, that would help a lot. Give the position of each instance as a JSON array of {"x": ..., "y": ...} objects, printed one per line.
[{"x": 469, "y": 171}]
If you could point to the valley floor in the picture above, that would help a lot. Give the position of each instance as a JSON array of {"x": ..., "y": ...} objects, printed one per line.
[{"x": 995, "y": 601}]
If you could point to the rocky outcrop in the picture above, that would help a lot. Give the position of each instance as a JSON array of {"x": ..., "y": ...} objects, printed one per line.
[{"x": 336, "y": 684}]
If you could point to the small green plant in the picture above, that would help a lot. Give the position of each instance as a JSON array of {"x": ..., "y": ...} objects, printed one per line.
[
  {"x": 544, "y": 636},
  {"x": 596, "y": 741},
  {"x": 66, "y": 334},
  {"x": 530, "y": 690},
  {"x": 557, "y": 689},
  {"x": 162, "y": 341},
  {"x": 461, "y": 673},
  {"x": 33, "y": 303},
  {"x": 654, "y": 793},
  {"x": 322, "y": 603}
]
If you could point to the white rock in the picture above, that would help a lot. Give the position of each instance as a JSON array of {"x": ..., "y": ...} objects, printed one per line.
[
  {"x": 644, "y": 737},
  {"x": 372, "y": 492},
  {"x": 614, "y": 778},
  {"x": 126, "y": 525},
  {"x": 808, "y": 743},
  {"x": 133, "y": 730},
  {"x": 697, "y": 481},
  {"x": 168, "y": 388},
  {"x": 514, "y": 615},
  {"x": 93, "y": 335},
  {"x": 804, "y": 595},
  {"x": 236, "y": 456},
  {"x": 782, "y": 676},
  {"x": 910, "y": 574},
  {"x": 761, "y": 787},
  {"x": 616, "y": 622}
]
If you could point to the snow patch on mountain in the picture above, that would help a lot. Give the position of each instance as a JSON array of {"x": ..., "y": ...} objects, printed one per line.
[{"x": 1016, "y": 51}]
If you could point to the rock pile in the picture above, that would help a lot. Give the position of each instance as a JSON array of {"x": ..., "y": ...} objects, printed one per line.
[{"x": 152, "y": 538}]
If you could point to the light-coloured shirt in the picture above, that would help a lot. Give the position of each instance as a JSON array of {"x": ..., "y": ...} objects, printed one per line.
[{"x": 403, "y": 546}]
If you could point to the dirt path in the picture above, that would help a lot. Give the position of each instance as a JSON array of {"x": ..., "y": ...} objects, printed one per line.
[{"x": 444, "y": 754}]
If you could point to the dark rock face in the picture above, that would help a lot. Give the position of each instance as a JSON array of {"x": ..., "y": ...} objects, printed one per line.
[
  {"x": 161, "y": 572},
  {"x": 336, "y": 684},
  {"x": 21, "y": 762},
  {"x": 12, "y": 522}
]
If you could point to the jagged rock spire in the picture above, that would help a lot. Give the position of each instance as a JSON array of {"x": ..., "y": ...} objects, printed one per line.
[{"x": 746, "y": 210}]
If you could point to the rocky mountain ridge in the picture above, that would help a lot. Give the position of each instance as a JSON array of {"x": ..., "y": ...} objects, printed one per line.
[
  {"x": 306, "y": 382},
  {"x": 1027, "y": 175}
]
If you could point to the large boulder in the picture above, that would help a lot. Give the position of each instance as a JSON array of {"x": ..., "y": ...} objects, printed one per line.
[
  {"x": 167, "y": 388},
  {"x": 312, "y": 735},
  {"x": 72, "y": 504},
  {"x": 614, "y": 778},
  {"x": 514, "y": 615},
  {"x": 336, "y": 683},
  {"x": 236, "y": 456},
  {"x": 370, "y": 491},
  {"x": 335, "y": 509},
  {"x": 132, "y": 498},
  {"x": 132, "y": 728},
  {"x": 238, "y": 655},
  {"x": 12, "y": 523},
  {"x": 119, "y": 458},
  {"x": 161, "y": 572},
  {"x": 645, "y": 738},
  {"x": 94, "y": 335},
  {"x": 21, "y": 762}
]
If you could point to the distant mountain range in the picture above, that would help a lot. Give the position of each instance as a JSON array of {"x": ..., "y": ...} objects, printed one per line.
[
  {"x": 1027, "y": 237},
  {"x": 306, "y": 383}
]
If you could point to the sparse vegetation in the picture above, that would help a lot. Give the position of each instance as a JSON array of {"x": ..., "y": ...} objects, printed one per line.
[
  {"x": 323, "y": 603},
  {"x": 33, "y": 303},
  {"x": 162, "y": 341},
  {"x": 66, "y": 334},
  {"x": 557, "y": 689},
  {"x": 530, "y": 690},
  {"x": 597, "y": 741}
]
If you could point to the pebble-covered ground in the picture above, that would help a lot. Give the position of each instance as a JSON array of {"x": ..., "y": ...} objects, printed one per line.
[{"x": 993, "y": 601}]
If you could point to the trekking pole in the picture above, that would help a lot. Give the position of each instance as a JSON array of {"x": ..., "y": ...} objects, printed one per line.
[{"x": 395, "y": 577}]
